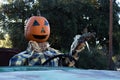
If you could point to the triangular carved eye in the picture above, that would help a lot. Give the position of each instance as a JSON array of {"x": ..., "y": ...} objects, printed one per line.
[
  {"x": 46, "y": 23},
  {"x": 36, "y": 23}
]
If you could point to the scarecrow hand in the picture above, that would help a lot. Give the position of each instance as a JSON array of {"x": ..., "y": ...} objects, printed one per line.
[{"x": 79, "y": 44}]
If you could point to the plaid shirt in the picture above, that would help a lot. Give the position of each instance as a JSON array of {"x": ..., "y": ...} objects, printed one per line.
[{"x": 34, "y": 59}]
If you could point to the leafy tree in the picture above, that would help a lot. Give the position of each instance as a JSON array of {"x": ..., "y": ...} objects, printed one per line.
[
  {"x": 15, "y": 15},
  {"x": 93, "y": 60}
]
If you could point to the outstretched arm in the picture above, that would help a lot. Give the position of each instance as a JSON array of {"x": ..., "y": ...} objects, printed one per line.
[{"x": 79, "y": 44}]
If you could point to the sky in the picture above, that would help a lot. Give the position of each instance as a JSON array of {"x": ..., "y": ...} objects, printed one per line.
[
  {"x": 2, "y": 1},
  {"x": 118, "y": 1}
]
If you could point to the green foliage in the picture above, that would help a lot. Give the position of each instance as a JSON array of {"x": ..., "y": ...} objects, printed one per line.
[
  {"x": 17, "y": 36},
  {"x": 66, "y": 20},
  {"x": 92, "y": 60}
]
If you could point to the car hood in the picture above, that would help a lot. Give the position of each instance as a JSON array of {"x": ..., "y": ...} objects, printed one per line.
[{"x": 56, "y": 73}]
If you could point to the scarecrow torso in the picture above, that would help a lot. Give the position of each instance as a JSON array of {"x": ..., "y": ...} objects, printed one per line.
[{"x": 36, "y": 59}]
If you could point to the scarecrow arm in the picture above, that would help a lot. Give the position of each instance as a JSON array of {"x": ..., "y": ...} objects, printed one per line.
[{"x": 79, "y": 43}]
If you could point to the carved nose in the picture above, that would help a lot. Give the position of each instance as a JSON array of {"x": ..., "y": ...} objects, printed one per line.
[{"x": 42, "y": 30}]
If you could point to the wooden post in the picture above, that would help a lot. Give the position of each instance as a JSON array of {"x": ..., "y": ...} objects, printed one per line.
[{"x": 110, "y": 63}]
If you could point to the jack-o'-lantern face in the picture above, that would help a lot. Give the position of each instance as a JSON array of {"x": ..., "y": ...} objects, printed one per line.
[{"x": 37, "y": 29}]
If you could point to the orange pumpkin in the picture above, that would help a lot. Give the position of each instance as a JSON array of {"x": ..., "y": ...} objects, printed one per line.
[{"x": 37, "y": 29}]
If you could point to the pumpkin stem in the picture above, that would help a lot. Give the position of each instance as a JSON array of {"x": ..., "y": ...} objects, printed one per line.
[{"x": 38, "y": 13}]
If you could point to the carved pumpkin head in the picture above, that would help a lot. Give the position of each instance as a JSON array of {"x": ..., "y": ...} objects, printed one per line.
[{"x": 37, "y": 29}]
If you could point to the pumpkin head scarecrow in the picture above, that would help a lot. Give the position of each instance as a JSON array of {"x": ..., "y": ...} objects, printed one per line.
[
  {"x": 37, "y": 29},
  {"x": 39, "y": 52}
]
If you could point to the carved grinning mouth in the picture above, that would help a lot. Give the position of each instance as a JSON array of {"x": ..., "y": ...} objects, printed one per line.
[{"x": 40, "y": 37}]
